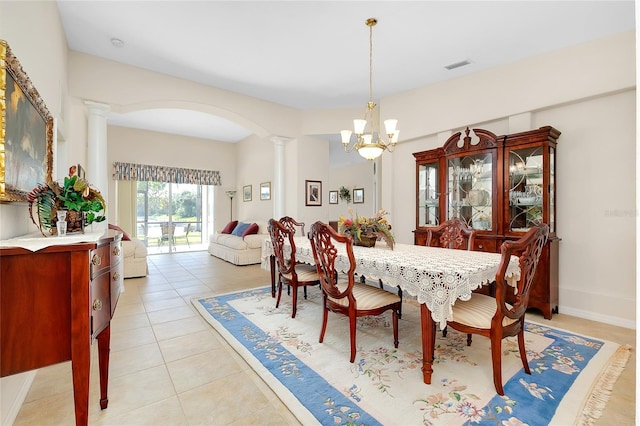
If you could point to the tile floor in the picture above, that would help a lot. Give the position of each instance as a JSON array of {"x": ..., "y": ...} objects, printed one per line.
[{"x": 169, "y": 367}]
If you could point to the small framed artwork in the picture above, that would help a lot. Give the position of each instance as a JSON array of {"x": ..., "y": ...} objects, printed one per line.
[
  {"x": 358, "y": 196},
  {"x": 246, "y": 193},
  {"x": 265, "y": 191},
  {"x": 313, "y": 193},
  {"x": 333, "y": 197}
]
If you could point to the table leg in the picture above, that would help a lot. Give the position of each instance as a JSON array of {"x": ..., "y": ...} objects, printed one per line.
[
  {"x": 272, "y": 263},
  {"x": 104, "y": 339},
  {"x": 427, "y": 342}
]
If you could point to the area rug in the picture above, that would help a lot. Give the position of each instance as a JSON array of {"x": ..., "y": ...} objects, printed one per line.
[{"x": 571, "y": 374}]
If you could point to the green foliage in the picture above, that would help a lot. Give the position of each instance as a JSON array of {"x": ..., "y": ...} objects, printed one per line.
[
  {"x": 345, "y": 194},
  {"x": 74, "y": 194}
]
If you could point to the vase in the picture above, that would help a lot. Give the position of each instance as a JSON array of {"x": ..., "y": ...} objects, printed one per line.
[
  {"x": 366, "y": 241},
  {"x": 75, "y": 222}
]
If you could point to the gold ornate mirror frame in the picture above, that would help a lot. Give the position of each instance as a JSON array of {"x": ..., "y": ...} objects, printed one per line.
[{"x": 26, "y": 131}]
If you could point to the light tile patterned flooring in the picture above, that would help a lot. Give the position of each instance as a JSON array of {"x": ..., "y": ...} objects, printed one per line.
[{"x": 169, "y": 367}]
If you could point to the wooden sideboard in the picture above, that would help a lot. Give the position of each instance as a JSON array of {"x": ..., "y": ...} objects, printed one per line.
[{"x": 53, "y": 303}]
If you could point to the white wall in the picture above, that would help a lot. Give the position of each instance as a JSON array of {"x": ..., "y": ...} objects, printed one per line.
[
  {"x": 254, "y": 165},
  {"x": 356, "y": 176}
]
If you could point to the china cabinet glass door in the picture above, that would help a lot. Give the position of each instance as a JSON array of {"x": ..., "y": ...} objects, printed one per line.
[
  {"x": 428, "y": 195},
  {"x": 470, "y": 184},
  {"x": 525, "y": 188}
]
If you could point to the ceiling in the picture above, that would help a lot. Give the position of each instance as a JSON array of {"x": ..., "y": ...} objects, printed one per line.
[{"x": 315, "y": 54}]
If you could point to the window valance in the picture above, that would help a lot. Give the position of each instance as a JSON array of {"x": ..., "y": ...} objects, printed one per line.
[{"x": 144, "y": 172}]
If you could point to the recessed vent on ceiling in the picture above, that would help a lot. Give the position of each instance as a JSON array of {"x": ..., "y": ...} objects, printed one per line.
[{"x": 457, "y": 65}]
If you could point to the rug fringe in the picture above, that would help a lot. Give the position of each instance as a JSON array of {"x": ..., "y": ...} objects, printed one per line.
[{"x": 601, "y": 389}]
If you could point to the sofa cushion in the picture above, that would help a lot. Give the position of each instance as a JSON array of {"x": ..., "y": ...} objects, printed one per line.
[
  {"x": 230, "y": 227},
  {"x": 134, "y": 248},
  {"x": 240, "y": 228},
  {"x": 254, "y": 241},
  {"x": 125, "y": 236},
  {"x": 231, "y": 241},
  {"x": 252, "y": 229}
]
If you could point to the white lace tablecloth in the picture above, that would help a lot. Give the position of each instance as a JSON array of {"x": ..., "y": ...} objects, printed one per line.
[{"x": 436, "y": 276}]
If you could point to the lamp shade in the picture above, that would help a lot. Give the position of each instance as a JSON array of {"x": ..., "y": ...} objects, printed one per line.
[
  {"x": 358, "y": 126},
  {"x": 370, "y": 151},
  {"x": 390, "y": 125},
  {"x": 346, "y": 136}
]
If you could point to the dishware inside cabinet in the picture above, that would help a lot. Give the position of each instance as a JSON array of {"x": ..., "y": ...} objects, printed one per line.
[{"x": 470, "y": 183}]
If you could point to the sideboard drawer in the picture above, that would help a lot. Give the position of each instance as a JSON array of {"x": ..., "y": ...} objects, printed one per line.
[
  {"x": 485, "y": 245},
  {"x": 100, "y": 303},
  {"x": 100, "y": 259}
]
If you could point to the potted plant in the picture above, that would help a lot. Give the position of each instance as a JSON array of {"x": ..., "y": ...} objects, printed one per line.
[
  {"x": 366, "y": 230},
  {"x": 84, "y": 204},
  {"x": 345, "y": 194}
]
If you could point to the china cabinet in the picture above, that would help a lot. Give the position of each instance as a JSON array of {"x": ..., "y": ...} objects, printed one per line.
[{"x": 498, "y": 185}]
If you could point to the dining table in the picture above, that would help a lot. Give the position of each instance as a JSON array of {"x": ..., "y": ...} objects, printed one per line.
[{"x": 436, "y": 277}]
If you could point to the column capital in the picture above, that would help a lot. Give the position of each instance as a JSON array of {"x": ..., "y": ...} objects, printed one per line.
[
  {"x": 280, "y": 140},
  {"x": 98, "y": 108}
]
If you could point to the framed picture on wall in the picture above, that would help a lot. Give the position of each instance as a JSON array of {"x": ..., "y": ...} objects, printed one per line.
[
  {"x": 246, "y": 193},
  {"x": 313, "y": 193},
  {"x": 358, "y": 196},
  {"x": 265, "y": 191},
  {"x": 333, "y": 197},
  {"x": 26, "y": 133}
]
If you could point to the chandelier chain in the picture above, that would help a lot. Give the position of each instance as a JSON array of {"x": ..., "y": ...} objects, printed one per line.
[{"x": 371, "y": 62}]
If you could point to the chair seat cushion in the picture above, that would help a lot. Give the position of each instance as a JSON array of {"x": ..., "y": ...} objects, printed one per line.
[
  {"x": 305, "y": 273},
  {"x": 367, "y": 296},
  {"x": 478, "y": 311}
]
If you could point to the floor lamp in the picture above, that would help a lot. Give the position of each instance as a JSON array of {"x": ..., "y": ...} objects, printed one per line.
[{"x": 231, "y": 194}]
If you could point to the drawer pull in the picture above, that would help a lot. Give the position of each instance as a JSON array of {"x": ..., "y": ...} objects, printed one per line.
[
  {"x": 116, "y": 277},
  {"x": 96, "y": 260},
  {"x": 97, "y": 305},
  {"x": 116, "y": 251},
  {"x": 479, "y": 245}
]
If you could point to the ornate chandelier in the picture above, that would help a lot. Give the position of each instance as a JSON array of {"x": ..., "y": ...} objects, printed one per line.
[{"x": 369, "y": 142}]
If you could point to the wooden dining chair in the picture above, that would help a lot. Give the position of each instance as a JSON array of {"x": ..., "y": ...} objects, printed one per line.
[
  {"x": 453, "y": 234},
  {"x": 292, "y": 224},
  {"x": 347, "y": 296},
  {"x": 290, "y": 272},
  {"x": 493, "y": 317}
]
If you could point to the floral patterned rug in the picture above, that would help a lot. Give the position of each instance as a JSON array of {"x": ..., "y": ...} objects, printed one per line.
[{"x": 570, "y": 381}]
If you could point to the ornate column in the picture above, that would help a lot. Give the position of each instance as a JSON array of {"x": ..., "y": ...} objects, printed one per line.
[
  {"x": 278, "y": 189},
  {"x": 97, "y": 146}
]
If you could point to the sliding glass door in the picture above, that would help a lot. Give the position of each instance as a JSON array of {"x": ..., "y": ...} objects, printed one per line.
[{"x": 173, "y": 217}]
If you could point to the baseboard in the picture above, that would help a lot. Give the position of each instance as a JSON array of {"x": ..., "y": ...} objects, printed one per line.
[
  {"x": 14, "y": 395},
  {"x": 607, "y": 319}
]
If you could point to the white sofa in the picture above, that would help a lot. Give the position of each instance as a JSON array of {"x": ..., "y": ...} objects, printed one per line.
[
  {"x": 135, "y": 258},
  {"x": 238, "y": 250}
]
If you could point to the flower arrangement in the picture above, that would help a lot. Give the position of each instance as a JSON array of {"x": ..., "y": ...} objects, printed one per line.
[
  {"x": 74, "y": 195},
  {"x": 368, "y": 227}
]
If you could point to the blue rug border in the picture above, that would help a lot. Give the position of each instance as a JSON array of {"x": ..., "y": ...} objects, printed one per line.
[{"x": 336, "y": 404}]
